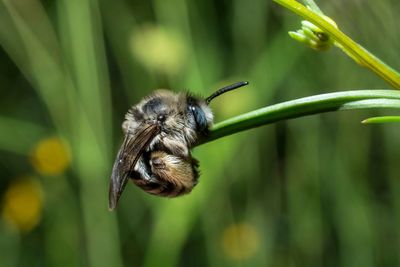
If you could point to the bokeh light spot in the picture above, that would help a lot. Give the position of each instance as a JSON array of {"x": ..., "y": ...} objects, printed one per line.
[
  {"x": 159, "y": 49},
  {"x": 51, "y": 156},
  {"x": 240, "y": 241},
  {"x": 22, "y": 204}
]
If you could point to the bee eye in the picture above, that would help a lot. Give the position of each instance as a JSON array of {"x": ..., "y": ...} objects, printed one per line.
[
  {"x": 199, "y": 118},
  {"x": 161, "y": 118}
]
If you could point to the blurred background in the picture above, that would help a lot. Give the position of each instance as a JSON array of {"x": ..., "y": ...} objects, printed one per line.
[{"x": 317, "y": 191}]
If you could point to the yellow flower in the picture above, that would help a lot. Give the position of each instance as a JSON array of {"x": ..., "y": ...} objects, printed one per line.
[
  {"x": 159, "y": 49},
  {"x": 240, "y": 241},
  {"x": 51, "y": 156},
  {"x": 22, "y": 204}
]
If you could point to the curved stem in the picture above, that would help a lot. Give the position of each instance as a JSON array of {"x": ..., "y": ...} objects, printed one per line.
[
  {"x": 383, "y": 119},
  {"x": 356, "y": 51},
  {"x": 360, "y": 99}
]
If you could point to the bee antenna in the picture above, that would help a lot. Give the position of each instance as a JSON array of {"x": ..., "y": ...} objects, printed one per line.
[{"x": 224, "y": 90}]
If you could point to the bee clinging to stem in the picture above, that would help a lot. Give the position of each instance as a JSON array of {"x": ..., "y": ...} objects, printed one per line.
[{"x": 159, "y": 132}]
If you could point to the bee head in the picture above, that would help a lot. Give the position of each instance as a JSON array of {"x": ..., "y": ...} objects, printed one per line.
[{"x": 200, "y": 110}]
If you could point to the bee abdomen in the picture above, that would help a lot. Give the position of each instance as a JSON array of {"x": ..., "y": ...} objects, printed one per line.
[
  {"x": 162, "y": 189},
  {"x": 166, "y": 175}
]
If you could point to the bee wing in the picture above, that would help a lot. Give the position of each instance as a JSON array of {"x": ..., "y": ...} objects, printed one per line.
[{"x": 129, "y": 153}]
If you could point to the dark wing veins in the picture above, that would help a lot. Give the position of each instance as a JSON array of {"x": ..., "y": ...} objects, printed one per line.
[{"x": 132, "y": 148}]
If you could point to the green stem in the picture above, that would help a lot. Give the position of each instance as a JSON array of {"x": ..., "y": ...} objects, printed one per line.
[
  {"x": 383, "y": 119},
  {"x": 356, "y": 51},
  {"x": 360, "y": 99}
]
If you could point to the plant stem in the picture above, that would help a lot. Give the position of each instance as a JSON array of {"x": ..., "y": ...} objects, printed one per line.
[
  {"x": 360, "y": 99},
  {"x": 356, "y": 51},
  {"x": 383, "y": 119}
]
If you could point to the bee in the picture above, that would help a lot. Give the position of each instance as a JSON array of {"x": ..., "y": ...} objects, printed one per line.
[{"x": 159, "y": 133}]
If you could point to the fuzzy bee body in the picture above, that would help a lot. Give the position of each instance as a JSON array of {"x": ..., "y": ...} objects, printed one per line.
[
  {"x": 159, "y": 132},
  {"x": 167, "y": 168}
]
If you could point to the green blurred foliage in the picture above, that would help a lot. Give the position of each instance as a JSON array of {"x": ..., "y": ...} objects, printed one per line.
[{"x": 315, "y": 191}]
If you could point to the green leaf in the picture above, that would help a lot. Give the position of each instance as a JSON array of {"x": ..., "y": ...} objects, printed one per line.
[{"x": 383, "y": 119}]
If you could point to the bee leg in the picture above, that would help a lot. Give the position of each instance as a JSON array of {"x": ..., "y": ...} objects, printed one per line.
[{"x": 179, "y": 174}]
